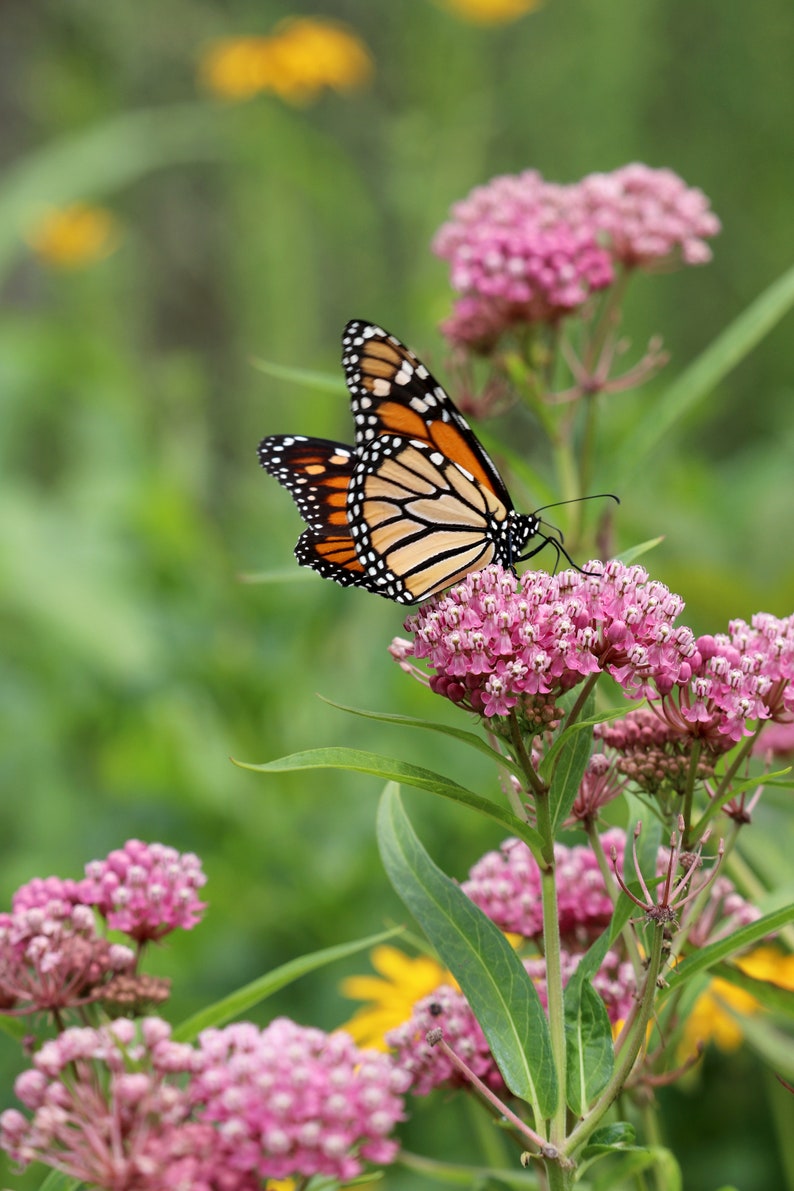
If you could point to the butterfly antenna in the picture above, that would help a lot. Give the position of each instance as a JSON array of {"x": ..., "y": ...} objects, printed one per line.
[{"x": 576, "y": 499}]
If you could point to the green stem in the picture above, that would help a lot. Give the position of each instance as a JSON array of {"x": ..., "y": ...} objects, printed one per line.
[
  {"x": 689, "y": 793},
  {"x": 627, "y": 1056},
  {"x": 627, "y": 933},
  {"x": 581, "y": 699},
  {"x": 723, "y": 792},
  {"x": 524, "y": 759}
]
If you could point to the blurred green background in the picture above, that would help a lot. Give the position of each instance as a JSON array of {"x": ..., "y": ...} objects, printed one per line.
[{"x": 135, "y": 660}]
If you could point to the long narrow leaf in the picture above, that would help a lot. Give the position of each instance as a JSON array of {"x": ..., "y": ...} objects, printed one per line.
[
  {"x": 714, "y": 953},
  {"x": 704, "y": 374},
  {"x": 392, "y": 770},
  {"x": 590, "y": 1055},
  {"x": 305, "y": 377},
  {"x": 259, "y": 990},
  {"x": 493, "y": 978},
  {"x": 569, "y": 768},
  {"x": 407, "y": 721}
]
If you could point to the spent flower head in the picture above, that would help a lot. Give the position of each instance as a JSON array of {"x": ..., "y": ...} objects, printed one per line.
[{"x": 51, "y": 957}]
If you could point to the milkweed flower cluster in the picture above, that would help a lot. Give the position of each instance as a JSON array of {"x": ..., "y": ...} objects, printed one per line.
[
  {"x": 523, "y": 250},
  {"x": 124, "y": 1106},
  {"x": 506, "y": 885},
  {"x": 108, "y": 1109},
  {"x": 53, "y": 957},
  {"x": 497, "y": 642},
  {"x": 146, "y": 890},
  {"x": 293, "y": 1100}
]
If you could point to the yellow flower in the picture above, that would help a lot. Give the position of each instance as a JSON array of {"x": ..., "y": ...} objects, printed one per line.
[
  {"x": 491, "y": 12},
  {"x": 69, "y": 237},
  {"x": 391, "y": 999},
  {"x": 302, "y": 56},
  {"x": 713, "y": 1017}
]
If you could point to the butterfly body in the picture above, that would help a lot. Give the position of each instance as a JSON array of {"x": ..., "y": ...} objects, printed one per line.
[{"x": 417, "y": 504}]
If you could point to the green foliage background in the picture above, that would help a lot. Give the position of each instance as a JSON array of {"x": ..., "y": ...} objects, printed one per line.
[{"x": 135, "y": 660}]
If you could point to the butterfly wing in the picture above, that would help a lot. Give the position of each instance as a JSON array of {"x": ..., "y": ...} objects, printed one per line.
[
  {"x": 420, "y": 521},
  {"x": 393, "y": 393},
  {"x": 317, "y": 473}
]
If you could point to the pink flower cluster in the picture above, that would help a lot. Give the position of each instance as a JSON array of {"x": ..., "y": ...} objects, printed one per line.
[
  {"x": 647, "y": 750},
  {"x": 126, "y": 1107},
  {"x": 743, "y": 675},
  {"x": 506, "y": 885},
  {"x": 146, "y": 890},
  {"x": 291, "y": 1100},
  {"x": 108, "y": 1110},
  {"x": 524, "y": 250},
  {"x": 497, "y": 642},
  {"x": 51, "y": 955},
  {"x": 447, "y": 1009},
  {"x": 649, "y": 215}
]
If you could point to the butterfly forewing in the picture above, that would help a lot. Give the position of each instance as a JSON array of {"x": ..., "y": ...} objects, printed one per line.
[{"x": 393, "y": 393}]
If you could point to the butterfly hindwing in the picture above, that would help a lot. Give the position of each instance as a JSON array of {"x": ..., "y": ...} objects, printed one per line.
[
  {"x": 316, "y": 472},
  {"x": 420, "y": 522},
  {"x": 393, "y": 393}
]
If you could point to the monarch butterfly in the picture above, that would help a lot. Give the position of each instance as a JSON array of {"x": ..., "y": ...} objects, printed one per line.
[{"x": 418, "y": 503}]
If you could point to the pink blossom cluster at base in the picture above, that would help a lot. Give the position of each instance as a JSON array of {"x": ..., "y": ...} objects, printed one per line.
[{"x": 127, "y": 1107}]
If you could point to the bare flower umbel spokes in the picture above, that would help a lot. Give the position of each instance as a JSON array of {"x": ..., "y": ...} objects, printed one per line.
[{"x": 677, "y": 887}]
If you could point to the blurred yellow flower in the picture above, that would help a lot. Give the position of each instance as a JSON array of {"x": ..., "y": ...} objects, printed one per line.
[
  {"x": 406, "y": 980},
  {"x": 713, "y": 1017},
  {"x": 73, "y": 236},
  {"x": 302, "y": 56},
  {"x": 491, "y": 12}
]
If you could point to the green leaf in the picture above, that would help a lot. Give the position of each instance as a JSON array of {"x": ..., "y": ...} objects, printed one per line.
[
  {"x": 492, "y": 977},
  {"x": 407, "y": 721},
  {"x": 400, "y": 771},
  {"x": 307, "y": 377},
  {"x": 702, "y": 376},
  {"x": 590, "y": 1054},
  {"x": 57, "y": 1181},
  {"x": 633, "y": 1160},
  {"x": 259, "y": 990},
  {"x": 610, "y": 1137},
  {"x": 569, "y": 767},
  {"x": 706, "y": 957},
  {"x": 634, "y": 552}
]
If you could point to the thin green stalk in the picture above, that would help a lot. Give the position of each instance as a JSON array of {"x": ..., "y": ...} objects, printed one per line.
[
  {"x": 723, "y": 792},
  {"x": 627, "y": 1056},
  {"x": 627, "y": 934},
  {"x": 554, "y": 991},
  {"x": 581, "y": 699},
  {"x": 524, "y": 759},
  {"x": 689, "y": 793}
]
